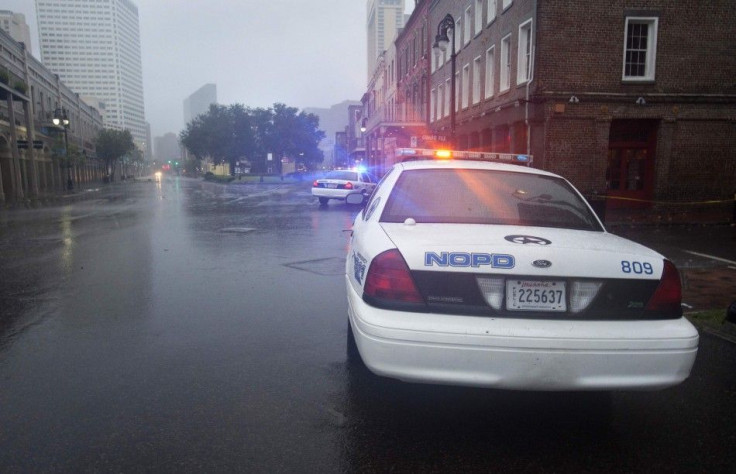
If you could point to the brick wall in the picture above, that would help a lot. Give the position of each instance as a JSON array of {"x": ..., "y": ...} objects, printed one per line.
[{"x": 580, "y": 45}]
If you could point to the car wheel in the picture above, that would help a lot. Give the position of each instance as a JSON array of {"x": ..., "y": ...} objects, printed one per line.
[
  {"x": 352, "y": 348},
  {"x": 323, "y": 200}
]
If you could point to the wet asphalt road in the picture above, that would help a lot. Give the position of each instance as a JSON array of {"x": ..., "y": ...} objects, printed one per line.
[{"x": 188, "y": 327}]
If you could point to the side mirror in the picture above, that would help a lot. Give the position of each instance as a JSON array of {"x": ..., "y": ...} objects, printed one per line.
[{"x": 355, "y": 199}]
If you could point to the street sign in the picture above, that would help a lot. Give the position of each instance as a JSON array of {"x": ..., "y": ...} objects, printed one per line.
[
  {"x": 22, "y": 144},
  {"x": 38, "y": 144}
]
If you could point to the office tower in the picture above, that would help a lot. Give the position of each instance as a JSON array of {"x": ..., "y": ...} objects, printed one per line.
[
  {"x": 385, "y": 19},
  {"x": 199, "y": 102},
  {"x": 94, "y": 47}
]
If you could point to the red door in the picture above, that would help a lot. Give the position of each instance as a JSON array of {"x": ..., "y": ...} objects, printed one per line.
[{"x": 630, "y": 174}]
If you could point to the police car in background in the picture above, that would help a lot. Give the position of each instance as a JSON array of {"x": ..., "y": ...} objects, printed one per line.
[
  {"x": 468, "y": 271},
  {"x": 339, "y": 184}
]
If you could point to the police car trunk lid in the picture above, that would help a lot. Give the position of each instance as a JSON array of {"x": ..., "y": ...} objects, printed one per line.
[
  {"x": 516, "y": 250},
  {"x": 530, "y": 272}
]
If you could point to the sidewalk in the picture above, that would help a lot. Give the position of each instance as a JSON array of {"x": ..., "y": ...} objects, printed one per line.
[{"x": 81, "y": 192}]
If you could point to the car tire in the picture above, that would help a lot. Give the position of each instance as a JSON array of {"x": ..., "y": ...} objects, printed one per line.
[
  {"x": 353, "y": 355},
  {"x": 323, "y": 200}
]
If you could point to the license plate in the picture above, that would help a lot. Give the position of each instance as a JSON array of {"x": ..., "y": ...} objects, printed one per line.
[
  {"x": 331, "y": 185},
  {"x": 535, "y": 295}
]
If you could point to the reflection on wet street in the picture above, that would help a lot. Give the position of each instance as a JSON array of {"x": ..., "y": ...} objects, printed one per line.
[{"x": 188, "y": 326}]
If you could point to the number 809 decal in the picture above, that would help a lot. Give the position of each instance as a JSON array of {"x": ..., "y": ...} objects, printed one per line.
[{"x": 638, "y": 268}]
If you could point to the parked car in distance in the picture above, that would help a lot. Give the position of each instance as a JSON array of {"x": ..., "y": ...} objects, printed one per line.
[{"x": 339, "y": 184}]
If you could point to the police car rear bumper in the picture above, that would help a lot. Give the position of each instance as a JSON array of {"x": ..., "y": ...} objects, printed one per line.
[
  {"x": 522, "y": 354},
  {"x": 331, "y": 193}
]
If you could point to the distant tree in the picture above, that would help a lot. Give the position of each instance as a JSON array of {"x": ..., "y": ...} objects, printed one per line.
[
  {"x": 222, "y": 134},
  {"x": 111, "y": 145},
  {"x": 262, "y": 126},
  {"x": 235, "y": 132},
  {"x": 295, "y": 135},
  {"x": 132, "y": 158}
]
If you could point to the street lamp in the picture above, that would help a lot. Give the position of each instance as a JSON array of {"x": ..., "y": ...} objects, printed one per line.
[
  {"x": 441, "y": 42},
  {"x": 61, "y": 119}
]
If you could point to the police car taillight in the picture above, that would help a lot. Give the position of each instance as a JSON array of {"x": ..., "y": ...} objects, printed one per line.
[
  {"x": 389, "y": 279},
  {"x": 315, "y": 184},
  {"x": 348, "y": 185},
  {"x": 668, "y": 296}
]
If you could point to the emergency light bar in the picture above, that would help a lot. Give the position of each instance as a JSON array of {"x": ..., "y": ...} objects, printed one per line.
[{"x": 407, "y": 154}]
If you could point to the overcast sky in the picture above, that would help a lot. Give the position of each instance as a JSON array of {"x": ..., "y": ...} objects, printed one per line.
[{"x": 304, "y": 53}]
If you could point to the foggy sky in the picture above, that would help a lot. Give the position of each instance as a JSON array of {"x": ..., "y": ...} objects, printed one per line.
[{"x": 304, "y": 53}]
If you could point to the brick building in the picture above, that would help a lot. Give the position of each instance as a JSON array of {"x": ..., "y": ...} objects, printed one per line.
[
  {"x": 396, "y": 105},
  {"x": 634, "y": 99}
]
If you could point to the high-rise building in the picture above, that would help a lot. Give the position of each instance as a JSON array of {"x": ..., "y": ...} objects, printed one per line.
[
  {"x": 199, "y": 102},
  {"x": 94, "y": 47},
  {"x": 167, "y": 148},
  {"x": 15, "y": 25},
  {"x": 385, "y": 19}
]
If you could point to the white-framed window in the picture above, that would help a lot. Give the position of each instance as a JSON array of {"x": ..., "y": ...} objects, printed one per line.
[
  {"x": 640, "y": 48},
  {"x": 433, "y": 105},
  {"x": 524, "y": 68},
  {"x": 458, "y": 35},
  {"x": 476, "y": 79},
  {"x": 466, "y": 86},
  {"x": 506, "y": 4},
  {"x": 478, "y": 17},
  {"x": 468, "y": 25},
  {"x": 490, "y": 71},
  {"x": 505, "y": 73},
  {"x": 491, "y": 11}
]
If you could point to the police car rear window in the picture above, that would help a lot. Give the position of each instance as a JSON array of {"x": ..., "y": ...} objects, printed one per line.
[
  {"x": 473, "y": 196},
  {"x": 345, "y": 175}
]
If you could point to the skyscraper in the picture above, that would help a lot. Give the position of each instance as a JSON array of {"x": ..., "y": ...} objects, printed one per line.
[
  {"x": 94, "y": 47},
  {"x": 199, "y": 102},
  {"x": 385, "y": 19}
]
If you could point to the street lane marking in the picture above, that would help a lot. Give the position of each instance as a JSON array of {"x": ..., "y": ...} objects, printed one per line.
[{"x": 711, "y": 257}]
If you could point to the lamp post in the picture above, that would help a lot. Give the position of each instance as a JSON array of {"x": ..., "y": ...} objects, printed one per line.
[
  {"x": 441, "y": 42},
  {"x": 61, "y": 119}
]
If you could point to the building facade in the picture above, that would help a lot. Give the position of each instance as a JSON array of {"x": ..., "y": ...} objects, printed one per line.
[
  {"x": 396, "y": 105},
  {"x": 35, "y": 160},
  {"x": 199, "y": 102},
  {"x": 384, "y": 20},
  {"x": 15, "y": 25},
  {"x": 94, "y": 47},
  {"x": 624, "y": 100},
  {"x": 167, "y": 149}
]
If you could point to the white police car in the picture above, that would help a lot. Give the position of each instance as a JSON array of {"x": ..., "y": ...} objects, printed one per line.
[
  {"x": 339, "y": 184},
  {"x": 498, "y": 275}
]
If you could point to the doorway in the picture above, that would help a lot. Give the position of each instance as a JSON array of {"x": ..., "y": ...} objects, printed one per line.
[{"x": 630, "y": 172}]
